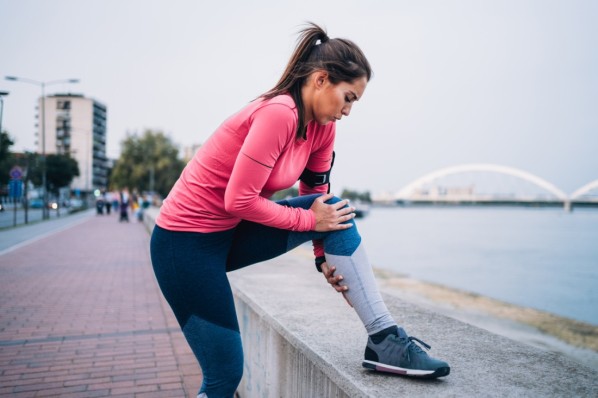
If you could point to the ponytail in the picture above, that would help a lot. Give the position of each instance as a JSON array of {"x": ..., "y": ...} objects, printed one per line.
[{"x": 341, "y": 58}]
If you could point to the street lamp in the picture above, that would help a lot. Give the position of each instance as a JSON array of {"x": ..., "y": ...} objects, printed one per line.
[
  {"x": 85, "y": 158},
  {"x": 2, "y": 94},
  {"x": 43, "y": 87}
]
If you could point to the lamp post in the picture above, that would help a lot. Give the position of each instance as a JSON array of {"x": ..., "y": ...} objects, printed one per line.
[
  {"x": 2, "y": 94},
  {"x": 88, "y": 148},
  {"x": 43, "y": 85}
]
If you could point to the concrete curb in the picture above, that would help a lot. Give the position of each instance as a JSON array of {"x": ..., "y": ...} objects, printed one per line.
[{"x": 285, "y": 296}]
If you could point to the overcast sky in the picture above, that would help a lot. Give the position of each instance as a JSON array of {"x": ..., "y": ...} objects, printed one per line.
[{"x": 510, "y": 82}]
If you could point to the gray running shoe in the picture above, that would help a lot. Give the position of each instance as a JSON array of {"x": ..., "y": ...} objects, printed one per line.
[{"x": 400, "y": 355}]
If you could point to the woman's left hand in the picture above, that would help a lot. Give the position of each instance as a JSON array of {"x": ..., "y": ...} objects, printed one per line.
[{"x": 334, "y": 280}]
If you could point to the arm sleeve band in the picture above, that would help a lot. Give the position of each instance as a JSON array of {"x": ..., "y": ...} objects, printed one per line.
[{"x": 313, "y": 179}]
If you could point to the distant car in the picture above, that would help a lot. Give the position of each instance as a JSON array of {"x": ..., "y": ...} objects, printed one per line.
[
  {"x": 36, "y": 203},
  {"x": 1, "y": 207},
  {"x": 75, "y": 205}
]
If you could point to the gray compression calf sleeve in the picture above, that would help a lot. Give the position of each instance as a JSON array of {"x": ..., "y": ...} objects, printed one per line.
[{"x": 363, "y": 290}]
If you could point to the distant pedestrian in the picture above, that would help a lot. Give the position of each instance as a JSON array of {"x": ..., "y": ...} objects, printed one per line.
[
  {"x": 138, "y": 210},
  {"x": 99, "y": 205},
  {"x": 217, "y": 217},
  {"x": 108, "y": 202},
  {"x": 124, "y": 205},
  {"x": 142, "y": 205},
  {"x": 115, "y": 201}
]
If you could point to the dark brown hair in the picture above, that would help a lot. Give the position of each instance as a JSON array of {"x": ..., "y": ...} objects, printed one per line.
[{"x": 340, "y": 58}]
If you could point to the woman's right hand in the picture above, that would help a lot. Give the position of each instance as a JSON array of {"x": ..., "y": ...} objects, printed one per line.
[
  {"x": 335, "y": 280},
  {"x": 331, "y": 217}
]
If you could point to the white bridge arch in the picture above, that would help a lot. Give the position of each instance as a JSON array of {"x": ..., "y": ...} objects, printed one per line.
[
  {"x": 585, "y": 189},
  {"x": 409, "y": 189}
]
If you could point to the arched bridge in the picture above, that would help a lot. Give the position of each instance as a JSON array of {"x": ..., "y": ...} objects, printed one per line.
[
  {"x": 427, "y": 189},
  {"x": 586, "y": 189}
]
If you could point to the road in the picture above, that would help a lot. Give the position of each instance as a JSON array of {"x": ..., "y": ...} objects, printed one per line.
[
  {"x": 12, "y": 238},
  {"x": 7, "y": 217}
]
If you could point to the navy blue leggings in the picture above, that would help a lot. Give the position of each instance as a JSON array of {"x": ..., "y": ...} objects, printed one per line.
[{"x": 191, "y": 270}]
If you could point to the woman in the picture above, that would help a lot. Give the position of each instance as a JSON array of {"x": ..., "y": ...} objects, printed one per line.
[{"x": 217, "y": 217}]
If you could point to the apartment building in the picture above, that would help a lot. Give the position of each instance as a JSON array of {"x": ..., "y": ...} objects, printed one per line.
[{"x": 77, "y": 125}]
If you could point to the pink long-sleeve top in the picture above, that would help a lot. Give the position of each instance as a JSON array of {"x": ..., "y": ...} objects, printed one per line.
[{"x": 248, "y": 158}]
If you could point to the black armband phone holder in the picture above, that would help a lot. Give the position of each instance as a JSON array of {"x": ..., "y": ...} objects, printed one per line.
[{"x": 313, "y": 179}]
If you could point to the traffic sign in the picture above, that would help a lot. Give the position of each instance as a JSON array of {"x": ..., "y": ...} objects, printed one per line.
[
  {"x": 16, "y": 173},
  {"x": 15, "y": 188}
]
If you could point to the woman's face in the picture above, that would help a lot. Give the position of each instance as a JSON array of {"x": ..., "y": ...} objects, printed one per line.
[{"x": 333, "y": 101}]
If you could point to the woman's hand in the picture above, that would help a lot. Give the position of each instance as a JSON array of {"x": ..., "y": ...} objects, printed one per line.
[
  {"x": 331, "y": 217},
  {"x": 335, "y": 280}
]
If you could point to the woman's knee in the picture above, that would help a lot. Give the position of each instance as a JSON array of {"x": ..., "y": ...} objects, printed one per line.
[
  {"x": 343, "y": 242},
  {"x": 224, "y": 384},
  {"x": 222, "y": 380},
  {"x": 219, "y": 351},
  {"x": 333, "y": 200},
  {"x": 235, "y": 376}
]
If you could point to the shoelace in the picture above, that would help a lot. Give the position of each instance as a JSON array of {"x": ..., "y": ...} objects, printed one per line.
[
  {"x": 410, "y": 343},
  {"x": 426, "y": 346}
]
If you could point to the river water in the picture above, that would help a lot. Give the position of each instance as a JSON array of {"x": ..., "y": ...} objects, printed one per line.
[{"x": 544, "y": 258}]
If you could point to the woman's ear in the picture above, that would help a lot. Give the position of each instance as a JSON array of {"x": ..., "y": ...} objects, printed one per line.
[{"x": 320, "y": 78}]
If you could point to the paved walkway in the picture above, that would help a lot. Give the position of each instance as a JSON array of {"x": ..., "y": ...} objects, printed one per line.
[{"x": 81, "y": 315}]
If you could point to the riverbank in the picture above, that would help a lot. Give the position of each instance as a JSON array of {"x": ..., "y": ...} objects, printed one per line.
[
  {"x": 574, "y": 339},
  {"x": 577, "y": 340}
]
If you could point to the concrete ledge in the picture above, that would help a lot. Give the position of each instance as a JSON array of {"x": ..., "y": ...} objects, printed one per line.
[
  {"x": 149, "y": 218},
  {"x": 302, "y": 340}
]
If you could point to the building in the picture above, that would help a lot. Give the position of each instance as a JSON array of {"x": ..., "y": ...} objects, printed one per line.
[{"x": 77, "y": 125}]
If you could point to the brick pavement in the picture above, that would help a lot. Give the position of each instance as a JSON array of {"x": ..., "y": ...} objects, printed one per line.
[{"x": 81, "y": 315}]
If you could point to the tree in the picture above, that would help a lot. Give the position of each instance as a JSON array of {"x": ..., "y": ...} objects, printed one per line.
[
  {"x": 60, "y": 170},
  {"x": 152, "y": 159},
  {"x": 356, "y": 196},
  {"x": 6, "y": 161}
]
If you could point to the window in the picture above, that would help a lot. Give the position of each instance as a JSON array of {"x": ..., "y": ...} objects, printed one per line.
[{"x": 62, "y": 104}]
